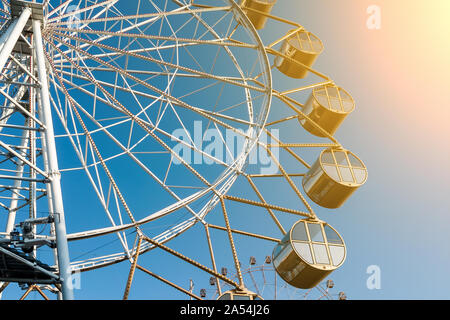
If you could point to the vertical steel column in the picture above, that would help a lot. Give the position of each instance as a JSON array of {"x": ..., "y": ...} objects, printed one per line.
[
  {"x": 4, "y": 37},
  {"x": 17, "y": 184},
  {"x": 32, "y": 141},
  {"x": 48, "y": 186},
  {"x": 55, "y": 177},
  {"x": 12, "y": 35}
]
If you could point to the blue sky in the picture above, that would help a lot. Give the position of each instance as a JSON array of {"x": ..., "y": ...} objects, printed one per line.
[{"x": 398, "y": 220}]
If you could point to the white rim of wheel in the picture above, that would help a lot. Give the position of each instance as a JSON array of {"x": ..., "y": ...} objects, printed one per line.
[{"x": 72, "y": 68}]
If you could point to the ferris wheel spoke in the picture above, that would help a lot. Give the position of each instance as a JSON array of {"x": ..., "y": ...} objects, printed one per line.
[
  {"x": 143, "y": 109},
  {"x": 195, "y": 60},
  {"x": 167, "y": 282},
  {"x": 97, "y": 187},
  {"x": 142, "y": 35},
  {"x": 58, "y": 8},
  {"x": 152, "y": 74},
  {"x": 83, "y": 158},
  {"x": 103, "y": 11},
  {"x": 171, "y": 98},
  {"x": 120, "y": 53},
  {"x": 237, "y": 105},
  {"x": 81, "y": 10},
  {"x": 181, "y": 43},
  {"x": 105, "y": 100},
  {"x": 216, "y": 35},
  {"x": 125, "y": 150},
  {"x": 213, "y": 65},
  {"x": 116, "y": 77},
  {"x": 162, "y": 20},
  {"x": 144, "y": 94},
  {"x": 149, "y": 59},
  {"x": 269, "y": 210},
  {"x": 171, "y": 151},
  {"x": 122, "y": 119},
  {"x": 291, "y": 183},
  {"x": 219, "y": 96},
  {"x": 72, "y": 104},
  {"x": 183, "y": 11},
  {"x": 108, "y": 34},
  {"x": 193, "y": 262}
]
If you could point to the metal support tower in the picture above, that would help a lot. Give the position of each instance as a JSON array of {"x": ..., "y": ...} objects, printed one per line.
[{"x": 36, "y": 173}]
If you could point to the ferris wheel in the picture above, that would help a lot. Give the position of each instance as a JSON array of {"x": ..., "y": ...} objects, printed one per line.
[
  {"x": 138, "y": 128},
  {"x": 263, "y": 280}
]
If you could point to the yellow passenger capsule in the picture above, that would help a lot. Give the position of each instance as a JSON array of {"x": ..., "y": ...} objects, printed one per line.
[
  {"x": 334, "y": 177},
  {"x": 327, "y": 106},
  {"x": 308, "y": 253},
  {"x": 302, "y": 48},
  {"x": 258, "y": 20},
  {"x": 239, "y": 295}
]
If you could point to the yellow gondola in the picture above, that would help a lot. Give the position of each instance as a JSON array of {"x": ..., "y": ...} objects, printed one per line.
[
  {"x": 327, "y": 106},
  {"x": 334, "y": 177},
  {"x": 301, "y": 49},
  {"x": 308, "y": 253},
  {"x": 258, "y": 20}
]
